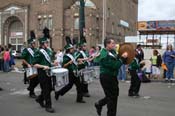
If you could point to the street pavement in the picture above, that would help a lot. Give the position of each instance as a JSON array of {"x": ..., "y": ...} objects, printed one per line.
[{"x": 157, "y": 99}]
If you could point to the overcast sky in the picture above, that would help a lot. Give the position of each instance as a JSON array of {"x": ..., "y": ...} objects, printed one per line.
[{"x": 156, "y": 10}]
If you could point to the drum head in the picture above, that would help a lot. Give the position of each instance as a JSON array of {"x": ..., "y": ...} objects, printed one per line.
[
  {"x": 59, "y": 70},
  {"x": 129, "y": 48}
]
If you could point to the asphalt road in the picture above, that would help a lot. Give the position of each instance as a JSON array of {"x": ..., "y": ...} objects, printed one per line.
[{"x": 157, "y": 99}]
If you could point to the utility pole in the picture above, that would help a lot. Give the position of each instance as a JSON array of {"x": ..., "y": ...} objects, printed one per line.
[
  {"x": 104, "y": 21},
  {"x": 82, "y": 19}
]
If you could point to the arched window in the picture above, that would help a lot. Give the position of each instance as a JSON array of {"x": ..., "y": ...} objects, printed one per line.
[
  {"x": 16, "y": 37},
  {"x": 50, "y": 22}
]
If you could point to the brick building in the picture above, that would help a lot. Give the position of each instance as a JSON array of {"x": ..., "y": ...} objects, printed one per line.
[{"x": 18, "y": 17}]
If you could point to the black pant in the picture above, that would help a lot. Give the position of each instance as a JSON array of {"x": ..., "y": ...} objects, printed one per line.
[
  {"x": 164, "y": 74},
  {"x": 32, "y": 84},
  {"x": 135, "y": 83},
  {"x": 84, "y": 87},
  {"x": 26, "y": 80},
  {"x": 72, "y": 80},
  {"x": 111, "y": 90},
  {"x": 46, "y": 88}
]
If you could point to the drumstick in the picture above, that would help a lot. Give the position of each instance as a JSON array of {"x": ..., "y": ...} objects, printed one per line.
[
  {"x": 54, "y": 67},
  {"x": 50, "y": 68}
]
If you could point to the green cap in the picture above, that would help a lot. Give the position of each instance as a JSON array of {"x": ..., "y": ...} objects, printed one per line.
[
  {"x": 43, "y": 40},
  {"x": 69, "y": 46},
  {"x": 30, "y": 41}
]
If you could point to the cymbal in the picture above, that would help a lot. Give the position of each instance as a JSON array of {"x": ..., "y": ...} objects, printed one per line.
[{"x": 129, "y": 48}]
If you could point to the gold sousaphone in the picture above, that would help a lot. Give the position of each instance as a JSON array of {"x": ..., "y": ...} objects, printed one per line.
[{"x": 130, "y": 49}]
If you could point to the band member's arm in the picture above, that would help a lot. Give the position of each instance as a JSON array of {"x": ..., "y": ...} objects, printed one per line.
[
  {"x": 24, "y": 62},
  {"x": 41, "y": 66},
  {"x": 24, "y": 56},
  {"x": 82, "y": 59},
  {"x": 79, "y": 58},
  {"x": 66, "y": 62},
  {"x": 37, "y": 61},
  {"x": 111, "y": 64},
  {"x": 114, "y": 64},
  {"x": 94, "y": 56},
  {"x": 55, "y": 63}
]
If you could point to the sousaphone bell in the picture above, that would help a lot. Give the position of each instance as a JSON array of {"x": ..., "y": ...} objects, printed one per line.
[{"x": 129, "y": 48}]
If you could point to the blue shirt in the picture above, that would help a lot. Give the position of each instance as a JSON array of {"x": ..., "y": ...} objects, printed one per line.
[{"x": 167, "y": 58}]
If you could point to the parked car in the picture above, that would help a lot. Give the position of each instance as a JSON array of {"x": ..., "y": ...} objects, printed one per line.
[{"x": 16, "y": 54}]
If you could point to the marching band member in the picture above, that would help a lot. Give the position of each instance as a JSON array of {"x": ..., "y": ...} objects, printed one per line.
[
  {"x": 133, "y": 68},
  {"x": 70, "y": 63},
  {"x": 28, "y": 57},
  {"x": 83, "y": 62},
  {"x": 110, "y": 64},
  {"x": 42, "y": 61}
]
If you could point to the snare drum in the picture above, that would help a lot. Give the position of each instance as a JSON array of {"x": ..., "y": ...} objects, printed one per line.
[
  {"x": 86, "y": 75},
  {"x": 31, "y": 72},
  {"x": 62, "y": 77}
]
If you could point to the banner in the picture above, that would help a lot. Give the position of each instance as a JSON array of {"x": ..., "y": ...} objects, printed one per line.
[{"x": 156, "y": 25}]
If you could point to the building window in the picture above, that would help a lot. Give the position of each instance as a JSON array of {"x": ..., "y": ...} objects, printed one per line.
[
  {"x": 50, "y": 22},
  {"x": 76, "y": 23},
  {"x": 113, "y": 27},
  {"x": 40, "y": 22},
  {"x": 108, "y": 13},
  {"x": 45, "y": 21}
]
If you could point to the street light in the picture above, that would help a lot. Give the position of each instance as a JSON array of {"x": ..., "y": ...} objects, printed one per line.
[{"x": 82, "y": 19}]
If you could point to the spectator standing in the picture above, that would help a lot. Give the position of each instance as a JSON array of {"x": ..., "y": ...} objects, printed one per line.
[
  {"x": 6, "y": 60},
  {"x": 91, "y": 54},
  {"x": 1, "y": 59},
  {"x": 59, "y": 57},
  {"x": 156, "y": 61},
  {"x": 12, "y": 61},
  {"x": 92, "y": 51},
  {"x": 140, "y": 53},
  {"x": 97, "y": 53},
  {"x": 168, "y": 59}
]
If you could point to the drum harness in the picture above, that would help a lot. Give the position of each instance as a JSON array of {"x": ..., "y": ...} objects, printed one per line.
[
  {"x": 76, "y": 72},
  {"x": 31, "y": 52}
]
